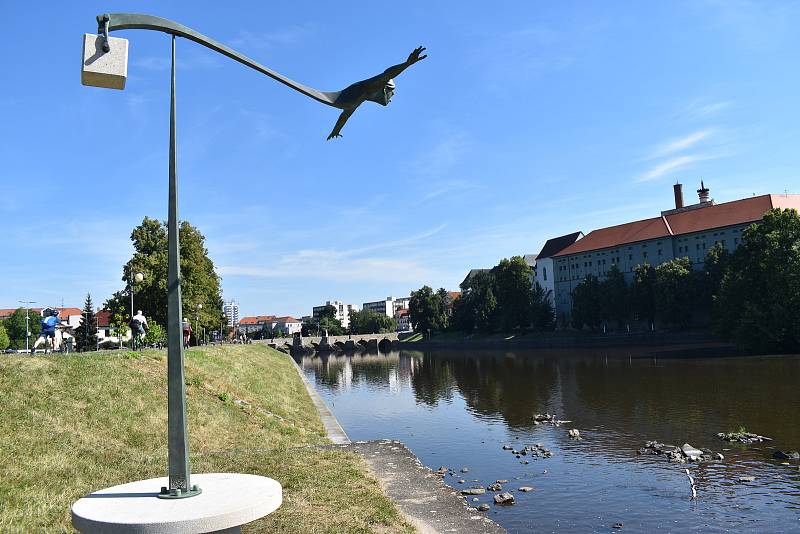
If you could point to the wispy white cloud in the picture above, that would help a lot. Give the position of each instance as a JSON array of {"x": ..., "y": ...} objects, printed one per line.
[
  {"x": 672, "y": 165},
  {"x": 682, "y": 143},
  {"x": 444, "y": 155},
  {"x": 281, "y": 37},
  {"x": 700, "y": 109}
]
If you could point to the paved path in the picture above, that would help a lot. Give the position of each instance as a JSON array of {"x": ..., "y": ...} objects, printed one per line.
[
  {"x": 427, "y": 502},
  {"x": 335, "y": 431}
]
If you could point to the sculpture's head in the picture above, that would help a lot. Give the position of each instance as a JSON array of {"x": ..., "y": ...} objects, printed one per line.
[{"x": 384, "y": 96}]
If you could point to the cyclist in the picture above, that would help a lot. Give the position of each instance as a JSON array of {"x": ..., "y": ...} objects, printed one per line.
[
  {"x": 138, "y": 328},
  {"x": 50, "y": 321}
]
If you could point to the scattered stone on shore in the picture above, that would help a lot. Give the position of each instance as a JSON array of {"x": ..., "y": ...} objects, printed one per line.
[
  {"x": 547, "y": 419},
  {"x": 789, "y": 455},
  {"x": 747, "y": 479},
  {"x": 504, "y": 498},
  {"x": 525, "y": 489},
  {"x": 686, "y": 453},
  {"x": 495, "y": 487},
  {"x": 574, "y": 433},
  {"x": 742, "y": 437},
  {"x": 442, "y": 471},
  {"x": 484, "y": 507},
  {"x": 473, "y": 491}
]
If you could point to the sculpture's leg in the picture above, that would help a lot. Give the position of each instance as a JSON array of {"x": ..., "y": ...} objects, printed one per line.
[{"x": 179, "y": 474}]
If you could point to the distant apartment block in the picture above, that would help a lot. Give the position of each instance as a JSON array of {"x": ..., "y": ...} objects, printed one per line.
[
  {"x": 403, "y": 319},
  {"x": 342, "y": 312},
  {"x": 388, "y": 306},
  {"x": 685, "y": 231},
  {"x": 286, "y": 325},
  {"x": 231, "y": 311}
]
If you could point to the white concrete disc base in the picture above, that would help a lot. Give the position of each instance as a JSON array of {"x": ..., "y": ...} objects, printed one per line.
[{"x": 228, "y": 500}]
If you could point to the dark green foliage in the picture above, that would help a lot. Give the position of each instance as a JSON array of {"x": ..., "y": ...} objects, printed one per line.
[
  {"x": 513, "y": 290},
  {"x": 542, "y": 313},
  {"x": 427, "y": 310},
  {"x": 759, "y": 300},
  {"x": 86, "y": 333},
  {"x": 587, "y": 303},
  {"x": 673, "y": 292},
  {"x": 15, "y": 327},
  {"x": 643, "y": 293},
  {"x": 369, "y": 322},
  {"x": 199, "y": 281},
  {"x": 615, "y": 297},
  {"x": 476, "y": 308}
]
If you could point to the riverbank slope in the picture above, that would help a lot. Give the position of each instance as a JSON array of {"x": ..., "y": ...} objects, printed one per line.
[{"x": 74, "y": 424}]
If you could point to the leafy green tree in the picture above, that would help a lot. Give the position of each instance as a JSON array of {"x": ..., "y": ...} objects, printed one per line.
[
  {"x": 476, "y": 308},
  {"x": 369, "y": 322},
  {"x": 86, "y": 333},
  {"x": 119, "y": 325},
  {"x": 615, "y": 297},
  {"x": 587, "y": 303},
  {"x": 707, "y": 283},
  {"x": 4, "y": 339},
  {"x": 15, "y": 327},
  {"x": 759, "y": 298},
  {"x": 155, "y": 334},
  {"x": 673, "y": 292},
  {"x": 512, "y": 288},
  {"x": 200, "y": 283},
  {"x": 426, "y": 310},
  {"x": 542, "y": 313},
  {"x": 643, "y": 292}
]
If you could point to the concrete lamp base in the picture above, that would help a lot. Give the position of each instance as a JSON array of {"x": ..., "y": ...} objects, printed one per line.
[{"x": 228, "y": 501}]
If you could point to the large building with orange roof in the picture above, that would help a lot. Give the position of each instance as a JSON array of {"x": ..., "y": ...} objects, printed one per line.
[{"x": 685, "y": 231}]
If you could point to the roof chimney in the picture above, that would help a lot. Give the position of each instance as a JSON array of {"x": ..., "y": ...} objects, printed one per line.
[
  {"x": 678, "y": 190},
  {"x": 703, "y": 193}
]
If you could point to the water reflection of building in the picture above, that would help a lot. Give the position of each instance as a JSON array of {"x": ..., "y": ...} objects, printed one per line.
[{"x": 342, "y": 372}]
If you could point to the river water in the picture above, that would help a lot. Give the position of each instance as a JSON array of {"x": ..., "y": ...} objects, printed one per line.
[{"x": 458, "y": 408}]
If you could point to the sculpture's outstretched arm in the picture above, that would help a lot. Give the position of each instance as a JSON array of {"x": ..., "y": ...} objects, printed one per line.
[
  {"x": 135, "y": 21},
  {"x": 340, "y": 123},
  {"x": 413, "y": 57}
]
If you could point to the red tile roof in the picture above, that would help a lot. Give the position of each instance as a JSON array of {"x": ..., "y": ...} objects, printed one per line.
[
  {"x": 63, "y": 312},
  {"x": 683, "y": 222},
  {"x": 256, "y": 319},
  {"x": 287, "y": 319}
]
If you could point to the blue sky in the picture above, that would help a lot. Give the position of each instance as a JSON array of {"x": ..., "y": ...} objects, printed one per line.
[{"x": 527, "y": 120}]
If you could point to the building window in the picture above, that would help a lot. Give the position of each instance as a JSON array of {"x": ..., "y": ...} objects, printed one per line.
[
  {"x": 630, "y": 257},
  {"x": 544, "y": 272},
  {"x": 659, "y": 252},
  {"x": 644, "y": 254}
]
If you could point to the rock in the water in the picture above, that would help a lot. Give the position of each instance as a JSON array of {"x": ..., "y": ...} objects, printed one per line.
[
  {"x": 747, "y": 479},
  {"x": 504, "y": 498},
  {"x": 495, "y": 487},
  {"x": 473, "y": 491},
  {"x": 574, "y": 433},
  {"x": 475, "y": 499},
  {"x": 501, "y": 481},
  {"x": 525, "y": 489},
  {"x": 465, "y": 470},
  {"x": 790, "y": 455},
  {"x": 618, "y": 525},
  {"x": 691, "y": 452},
  {"x": 508, "y": 448},
  {"x": 719, "y": 456},
  {"x": 483, "y": 507},
  {"x": 461, "y": 481}
]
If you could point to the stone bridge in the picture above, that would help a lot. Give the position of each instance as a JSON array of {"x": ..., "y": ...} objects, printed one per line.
[{"x": 346, "y": 343}]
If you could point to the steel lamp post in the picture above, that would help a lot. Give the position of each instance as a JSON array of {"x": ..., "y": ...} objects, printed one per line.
[{"x": 105, "y": 65}]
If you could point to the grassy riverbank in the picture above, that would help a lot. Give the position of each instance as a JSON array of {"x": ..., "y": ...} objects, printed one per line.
[{"x": 74, "y": 424}]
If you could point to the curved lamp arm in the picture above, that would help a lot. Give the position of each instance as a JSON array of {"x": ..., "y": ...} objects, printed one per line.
[{"x": 135, "y": 21}]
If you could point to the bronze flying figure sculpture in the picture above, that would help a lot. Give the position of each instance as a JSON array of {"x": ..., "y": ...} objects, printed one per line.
[{"x": 378, "y": 89}]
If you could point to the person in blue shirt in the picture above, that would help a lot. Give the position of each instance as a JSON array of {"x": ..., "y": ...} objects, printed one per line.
[{"x": 50, "y": 321}]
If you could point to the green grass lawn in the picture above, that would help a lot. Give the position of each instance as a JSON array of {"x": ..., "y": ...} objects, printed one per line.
[{"x": 73, "y": 424}]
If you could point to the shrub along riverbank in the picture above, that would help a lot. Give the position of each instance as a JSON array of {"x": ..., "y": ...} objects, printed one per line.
[{"x": 78, "y": 423}]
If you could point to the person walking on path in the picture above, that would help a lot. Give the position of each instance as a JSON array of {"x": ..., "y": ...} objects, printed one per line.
[{"x": 187, "y": 332}]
